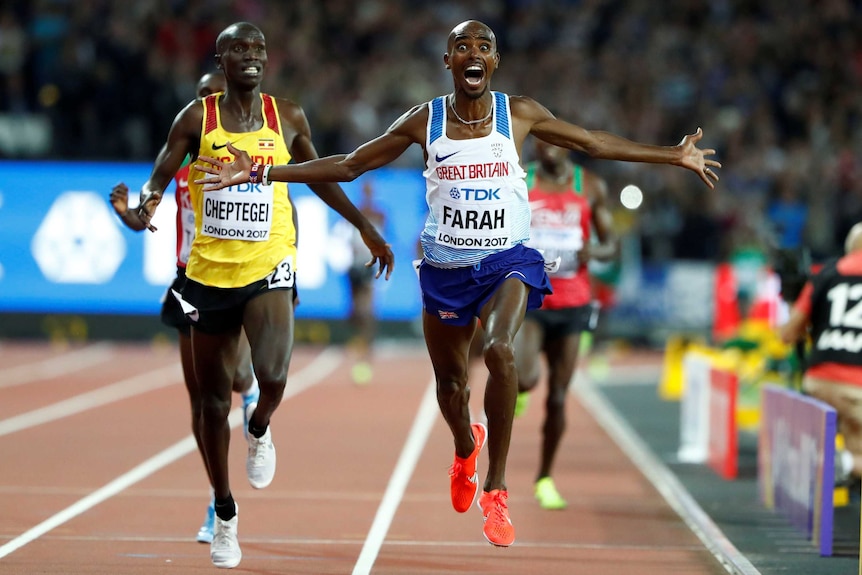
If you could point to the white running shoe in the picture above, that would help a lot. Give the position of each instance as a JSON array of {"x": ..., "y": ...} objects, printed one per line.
[
  {"x": 260, "y": 465},
  {"x": 224, "y": 550}
]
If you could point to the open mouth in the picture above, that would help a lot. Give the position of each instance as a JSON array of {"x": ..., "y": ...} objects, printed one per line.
[
  {"x": 251, "y": 71},
  {"x": 474, "y": 75}
]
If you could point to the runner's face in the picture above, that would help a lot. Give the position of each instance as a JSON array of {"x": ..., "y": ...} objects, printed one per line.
[
  {"x": 244, "y": 58},
  {"x": 472, "y": 58}
]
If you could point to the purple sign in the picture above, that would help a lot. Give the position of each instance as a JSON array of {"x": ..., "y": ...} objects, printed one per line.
[{"x": 795, "y": 461}]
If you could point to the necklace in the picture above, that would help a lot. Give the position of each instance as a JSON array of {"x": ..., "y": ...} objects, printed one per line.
[{"x": 471, "y": 122}]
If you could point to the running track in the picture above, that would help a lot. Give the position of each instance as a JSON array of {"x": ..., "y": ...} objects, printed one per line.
[{"x": 99, "y": 474}]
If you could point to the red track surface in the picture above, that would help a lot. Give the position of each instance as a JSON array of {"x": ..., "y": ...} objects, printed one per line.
[{"x": 339, "y": 448}]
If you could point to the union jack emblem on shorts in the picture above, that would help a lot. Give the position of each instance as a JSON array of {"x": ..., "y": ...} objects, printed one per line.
[{"x": 447, "y": 314}]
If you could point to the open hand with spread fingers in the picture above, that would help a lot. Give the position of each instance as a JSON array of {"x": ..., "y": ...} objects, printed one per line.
[
  {"x": 695, "y": 159},
  {"x": 224, "y": 174}
]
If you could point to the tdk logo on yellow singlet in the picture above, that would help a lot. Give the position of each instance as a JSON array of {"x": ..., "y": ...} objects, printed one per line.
[{"x": 245, "y": 187}]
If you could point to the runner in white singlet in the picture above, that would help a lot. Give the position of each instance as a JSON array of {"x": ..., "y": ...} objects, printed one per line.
[{"x": 476, "y": 267}]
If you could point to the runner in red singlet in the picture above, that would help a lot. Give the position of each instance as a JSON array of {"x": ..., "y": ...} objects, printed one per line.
[{"x": 566, "y": 202}]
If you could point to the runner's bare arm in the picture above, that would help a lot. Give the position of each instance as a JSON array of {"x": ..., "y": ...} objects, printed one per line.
[
  {"x": 183, "y": 138},
  {"x": 531, "y": 117},
  {"x": 407, "y": 130}
]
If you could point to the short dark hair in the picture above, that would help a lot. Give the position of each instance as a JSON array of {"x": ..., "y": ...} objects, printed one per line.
[{"x": 232, "y": 31}]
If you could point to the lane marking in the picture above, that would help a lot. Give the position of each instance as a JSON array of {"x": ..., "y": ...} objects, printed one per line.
[
  {"x": 269, "y": 494},
  {"x": 663, "y": 479},
  {"x": 50, "y": 368},
  {"x": 140, "y": 472},
  {"x": 413, "y": 447},
  {"x": 124, "y": 389},
  {"x": 393, "y": 543},
  {"x": 623, "y": 375},
  {"x": 320, "y": 367}
]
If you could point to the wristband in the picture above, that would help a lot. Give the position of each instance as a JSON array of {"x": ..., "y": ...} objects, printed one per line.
[
  {"x": 264, "y": 179},
  {"x": 254, "y": 173}
]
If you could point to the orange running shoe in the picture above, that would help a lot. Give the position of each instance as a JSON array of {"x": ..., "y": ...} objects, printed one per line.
[
  {"x": 498, "y": 527},
  {"x": 463, "y": 477}
]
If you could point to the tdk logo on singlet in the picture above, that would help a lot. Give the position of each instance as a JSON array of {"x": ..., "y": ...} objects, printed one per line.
[
  {"x": 474, "y": 194},
  {"x": 246, "y": 187}
]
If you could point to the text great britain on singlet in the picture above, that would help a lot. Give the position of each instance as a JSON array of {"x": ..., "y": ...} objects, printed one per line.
[{"x": 473, "y": 171}]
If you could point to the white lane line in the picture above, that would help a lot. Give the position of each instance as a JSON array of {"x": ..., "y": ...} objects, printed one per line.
[
  {"x": 665, "y": 482},
  {"x": 480, "y": 544},
  {"x": 625, "y": 375},
  {"x": 56, "y": 366},
  {"x": 416, "y": 440},
  {"x": 140, "y": 472},
  {"x": 128, "y": 388},
  {"x": 124, "y": 389},
  {"x": 319, "y": 368}
]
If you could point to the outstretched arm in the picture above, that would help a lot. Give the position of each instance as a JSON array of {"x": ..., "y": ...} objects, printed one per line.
[
  {"x": 408, "y": 129},
  {"x": 530, "y": 117}
]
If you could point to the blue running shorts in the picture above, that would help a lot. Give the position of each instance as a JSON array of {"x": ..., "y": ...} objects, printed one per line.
[{"x": 456, "y": 295}]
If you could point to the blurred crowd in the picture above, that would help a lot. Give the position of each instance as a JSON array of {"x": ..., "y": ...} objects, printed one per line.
[{"x": 775, "y": 84}]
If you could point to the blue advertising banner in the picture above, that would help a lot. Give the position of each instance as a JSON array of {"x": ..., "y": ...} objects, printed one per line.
[
  {"x": 63, "y": 250},
  {"x": 795, "y": 461}
]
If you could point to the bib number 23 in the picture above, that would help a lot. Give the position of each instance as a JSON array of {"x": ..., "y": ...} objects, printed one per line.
[{"x": 283, "y": 276}]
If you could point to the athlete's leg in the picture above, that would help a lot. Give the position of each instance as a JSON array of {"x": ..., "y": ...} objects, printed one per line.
[
  {"x": 448, "y": 347},
  {"x": 501, "y": 316},
  {"x": 244, "y": 377},
  {"x": 847, "y": 401},
  {"x": 362, "y": 316},
  {"x": 363, "y": 325},
  {"x": 215, "y": 365},
  {"x": 244, "y": 381},
  {"x": 477, "y": 344},
  {"x": 194, "y": 392},
  {"x": 268, "y": 323},
  {"x": 562, "y": 354},
  {"x": 528, "y": 348}
]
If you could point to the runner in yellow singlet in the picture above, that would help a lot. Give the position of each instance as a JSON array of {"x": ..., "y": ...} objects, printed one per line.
[
  {"x": 172, "y": 313},
  {"x": 241, "y": 270}
]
